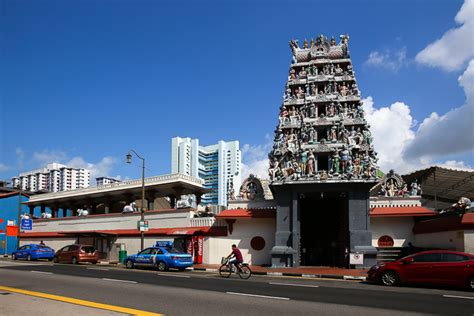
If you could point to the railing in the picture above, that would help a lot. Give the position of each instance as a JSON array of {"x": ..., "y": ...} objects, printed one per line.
[
  {"x": 138, "y": 182},
  {"x": 202, "y": 221}
]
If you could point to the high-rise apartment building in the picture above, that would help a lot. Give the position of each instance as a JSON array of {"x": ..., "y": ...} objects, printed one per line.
[
  {"x": 55, "y": 177},
  {"x": 218, "y": 165},
  {"x": 105, "y": 180}
]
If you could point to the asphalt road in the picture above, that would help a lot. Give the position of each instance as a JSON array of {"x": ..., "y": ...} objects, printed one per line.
[{"x": 205, "y": 293}]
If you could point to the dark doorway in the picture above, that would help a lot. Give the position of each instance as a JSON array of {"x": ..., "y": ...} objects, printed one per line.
[{"x": 324, "y": 229}]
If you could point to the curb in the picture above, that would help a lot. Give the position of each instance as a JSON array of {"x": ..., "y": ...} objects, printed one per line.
[{"x": 302, "y": 275}]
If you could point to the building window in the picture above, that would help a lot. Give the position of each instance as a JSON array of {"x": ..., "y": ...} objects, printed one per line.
[{"x": 257, "y": 243}]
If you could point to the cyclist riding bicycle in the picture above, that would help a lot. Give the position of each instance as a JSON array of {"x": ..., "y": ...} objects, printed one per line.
[{"x": 238, "y": 259}]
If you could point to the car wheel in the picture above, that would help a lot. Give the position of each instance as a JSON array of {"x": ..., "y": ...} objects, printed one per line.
[
  {"x": 129, "y": 264},
  {"x": 162, "y": 266},
  {"x": 28, "y": 257},
  {"x": 50, "y": 259},
  {"x": 55, "y": 259},
  {"x": 470, "y": 284},
  {"x": 94, "y": 262},
  {"x": 14, "y": 256},
  {"x": 181, "y": 269},
  {"x": 390, "y": 278},
  {"x": 74, "y": 260}
]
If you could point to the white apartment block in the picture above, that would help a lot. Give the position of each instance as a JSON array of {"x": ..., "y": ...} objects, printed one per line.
[
  {"x": 54, "y": 178},
  {"x": 105, "y": 180},
  {"x": 218, "y": 165}
]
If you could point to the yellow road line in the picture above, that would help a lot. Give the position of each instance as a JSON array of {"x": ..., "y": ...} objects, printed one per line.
[{"x": 76, "y": 301}]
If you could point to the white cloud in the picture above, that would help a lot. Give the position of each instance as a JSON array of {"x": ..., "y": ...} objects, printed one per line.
[
  {"x": 101, "y": 168},
  {"x": 49, "y": 156},
  {"x": 449, "y": 133},
  {"x": 389, "y": 60},
  {"x": 4, "y": 167},
  {"x": 456, "y": 46},
  {"x": 402, "y": 147},
  {"x": 20, "y": 156},
  {"x": 255, "y": 159},
  {"x": 454, "y": 164},
  {"x": 391, "y": 129}
]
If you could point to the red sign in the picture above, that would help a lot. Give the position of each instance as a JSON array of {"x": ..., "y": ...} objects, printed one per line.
[{"x": 12, "y": 231}]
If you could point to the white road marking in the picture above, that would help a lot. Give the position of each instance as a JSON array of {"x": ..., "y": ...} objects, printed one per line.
[
  {"x": 42, "y": 272},
  {"x": 464, "y": 297},
  {"x": 261, "y": 296},
  {"x": 100, "y": 269},
  {"x": 173, "y": 275},
  {"x": 116, "y": 280},
  {"x": 302, "y": 285}
]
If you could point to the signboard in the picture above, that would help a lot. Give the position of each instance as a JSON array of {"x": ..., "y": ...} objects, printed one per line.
[
  {"x": 142, "y": 226},
  {"x": 356, "y": 258},
  {"x": 12, "y": 231},
  {"x": 27, "y": 224},
  {"x": 163, "y": 243}
]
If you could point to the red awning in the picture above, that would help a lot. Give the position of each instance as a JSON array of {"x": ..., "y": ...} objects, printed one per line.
[
  {"x": 248, "y": 213},
  {"x": 401, "y": 211},
  {"x": 176, "y": 231}
]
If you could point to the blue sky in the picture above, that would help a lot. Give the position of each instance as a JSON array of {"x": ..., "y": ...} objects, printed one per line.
[{"x": 83, "y": 82}]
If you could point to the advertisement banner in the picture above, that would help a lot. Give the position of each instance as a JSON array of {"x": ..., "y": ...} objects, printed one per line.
[
  {"x": 12, "y": 231},
  {"x": 200, "y": 248}
]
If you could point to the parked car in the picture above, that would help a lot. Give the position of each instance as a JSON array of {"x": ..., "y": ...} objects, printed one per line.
[
  {"x": 33, "y": 252},
  {"x": 160, "y": 258},
  {"x": 435, "y": 267},
  {"x": 77, "y": 253}
]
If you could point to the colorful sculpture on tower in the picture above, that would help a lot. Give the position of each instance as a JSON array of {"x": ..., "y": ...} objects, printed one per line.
[{"x": 322, "y": 133}]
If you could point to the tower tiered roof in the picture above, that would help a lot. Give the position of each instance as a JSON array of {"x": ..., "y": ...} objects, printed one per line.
[{"x": 322, "y": 134}]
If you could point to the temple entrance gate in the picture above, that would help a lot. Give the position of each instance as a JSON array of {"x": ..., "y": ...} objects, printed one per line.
[{"x": 324, "y": 236}]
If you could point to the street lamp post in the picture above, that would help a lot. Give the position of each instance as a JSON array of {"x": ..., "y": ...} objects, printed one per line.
[{"x": 142, "y": 211}]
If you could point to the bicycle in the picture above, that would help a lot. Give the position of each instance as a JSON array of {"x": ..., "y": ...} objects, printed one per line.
[{"x": 226, "y": 269}]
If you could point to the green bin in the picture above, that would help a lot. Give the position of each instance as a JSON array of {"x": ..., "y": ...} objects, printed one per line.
[{"x": 122, "y": 255}]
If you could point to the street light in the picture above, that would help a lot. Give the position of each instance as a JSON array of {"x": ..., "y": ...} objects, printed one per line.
[{"x": 142, "y": 211}]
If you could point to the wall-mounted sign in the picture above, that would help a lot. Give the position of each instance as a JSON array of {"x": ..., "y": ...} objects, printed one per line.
[
  {"x": 142, "y": 226},
  {"x": 27, "y": 224},
  {"x": 356, "y": 258}
]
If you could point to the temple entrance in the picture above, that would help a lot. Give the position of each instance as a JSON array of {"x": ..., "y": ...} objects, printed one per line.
[{"x": 324, "y": 229}]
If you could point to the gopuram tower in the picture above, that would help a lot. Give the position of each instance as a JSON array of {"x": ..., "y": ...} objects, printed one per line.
[{"x": 323, "y": 163}]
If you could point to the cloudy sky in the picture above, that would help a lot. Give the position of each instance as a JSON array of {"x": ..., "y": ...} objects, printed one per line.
[{"x": 83, "y": 82}]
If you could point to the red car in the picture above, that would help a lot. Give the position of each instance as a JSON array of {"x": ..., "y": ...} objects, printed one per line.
[
  {"x": 76, "y": 253},
  {"x": 437, "y": 267}
]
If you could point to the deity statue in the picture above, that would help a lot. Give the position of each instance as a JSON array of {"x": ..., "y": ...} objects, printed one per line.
[
  {"x": 314, "y": 89},
  {"x": 333, "y": 41},
  {"x": 338, "y": 70},
  {"x": 300, "y": 93},
  {"x": 305, "y": 43},
  {"x": 334, "y": 133},
  {"x": 303, "y": 160},
  {"x": 311, "y": 135},
  {"x": 414, "y": 188},
  {"x": 335, "y": 162},
  {"x": 313, "y": 111},
  {"x": 292, "y": 74},
  {"x": 343, "y": 90},
  {"x": 311, "y": 44},
  {"x": 302, "y": 74},
  {"x": 310, "y": 165},
  {"x": 345, "y": 158}
]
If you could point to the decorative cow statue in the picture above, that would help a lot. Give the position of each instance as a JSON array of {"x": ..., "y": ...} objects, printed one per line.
[
  {"x": 82, "y": 212},
  {"x": 129, "y": 208},
  {"x": 46, "y": 215}
]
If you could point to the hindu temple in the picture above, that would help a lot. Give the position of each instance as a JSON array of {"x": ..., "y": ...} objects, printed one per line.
[{"x": 323, "y": 163}]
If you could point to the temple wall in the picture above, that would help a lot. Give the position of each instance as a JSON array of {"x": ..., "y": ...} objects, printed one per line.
[
  {"x": 399, "y": 228},
  {"x": 452, "y": 240},
  {"x": 243, "y": 231}
]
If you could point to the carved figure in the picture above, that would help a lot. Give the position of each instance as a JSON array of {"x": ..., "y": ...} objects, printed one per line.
[
  {"x": 82, "y": 212},
  {"x": 46, "y": 215},
  {"x": 130, "y": 208},
  {"x": 311, "y": 163}
]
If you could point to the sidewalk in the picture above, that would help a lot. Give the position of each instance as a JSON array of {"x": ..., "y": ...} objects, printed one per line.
[{"x": 308, "y": 272}]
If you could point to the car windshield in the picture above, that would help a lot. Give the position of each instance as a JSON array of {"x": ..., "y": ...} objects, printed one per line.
[
  {"x": 88, "y": 249},
  {"x": 174, "y": 250},
  {"x": 44, "y": 247}
]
